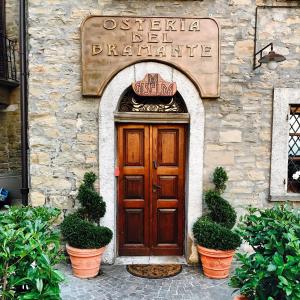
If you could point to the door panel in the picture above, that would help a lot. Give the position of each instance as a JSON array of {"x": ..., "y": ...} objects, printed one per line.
[
  {"x": 168, "y": 187},
  {"x": 133, "y": 187},
  {"x": 133, "y": 184},
  {"x": 133, "y": 147},
  {"x": 167, "y": 146},
  {"x": 151, "y": 160},
  {"x": 168, "y": 192},
  {"x": 167, "y": 225},
  {"x": 134, "y": 220}
]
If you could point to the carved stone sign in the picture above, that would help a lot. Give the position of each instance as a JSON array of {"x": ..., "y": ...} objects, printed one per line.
[
  {"x": 153, "y": 85},
  {"x": 111, "y": 43}
]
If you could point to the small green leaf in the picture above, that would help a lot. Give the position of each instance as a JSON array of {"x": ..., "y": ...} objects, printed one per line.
[
  {"x": 271, "y": 267},
  {"x": 39, "y": 285},
  {"x": 288, "y": 291},
  {"x": 59, "y": 275},
  {"x": 283, "y": 280}
]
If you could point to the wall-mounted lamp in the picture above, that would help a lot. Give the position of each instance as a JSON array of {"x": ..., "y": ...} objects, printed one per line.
[{"x": 272, "y": 59}]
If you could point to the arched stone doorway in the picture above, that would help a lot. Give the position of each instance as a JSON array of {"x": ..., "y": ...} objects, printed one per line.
[{"x": 107, "y": 145}]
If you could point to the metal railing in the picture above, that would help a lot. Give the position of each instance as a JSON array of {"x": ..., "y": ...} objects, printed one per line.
[{"x": 8, "y": 69}]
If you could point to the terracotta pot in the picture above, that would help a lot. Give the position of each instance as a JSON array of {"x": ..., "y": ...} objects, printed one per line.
[
  {"x": 85, "y": 262},
  {"x": 215, "y": 263},
  {"x": 240, "y": 297}
]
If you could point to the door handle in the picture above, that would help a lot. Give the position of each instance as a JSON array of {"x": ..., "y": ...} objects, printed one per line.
[
  {"x": 155, "y": 187},
  {"x": 155, "y": 165}
]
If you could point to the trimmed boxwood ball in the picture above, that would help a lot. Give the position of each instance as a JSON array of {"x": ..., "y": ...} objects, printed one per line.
[
  {"x": 213, "y": 230},
  {"x": 215, "y": 236},
  {"x": 82, "y": 229},
  {"x": 84, "y": 235}
]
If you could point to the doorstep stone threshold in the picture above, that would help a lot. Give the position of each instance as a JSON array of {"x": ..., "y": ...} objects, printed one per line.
[{"x": 130, "y": 260}]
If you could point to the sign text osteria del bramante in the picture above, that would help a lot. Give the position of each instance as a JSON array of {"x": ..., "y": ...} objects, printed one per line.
[
  {"x": 152, "y": 39},
  {"x": 110, "y": 43}
]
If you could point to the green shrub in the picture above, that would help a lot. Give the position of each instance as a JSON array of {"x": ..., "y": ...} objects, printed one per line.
[
  {"x": 92, "y": 203},
  {"x": 220, "y": 210},
  {"x": 273, "y": 271},
  {"x": 223, "y": 239},
  {"x": 81, "y": 234},
  {"x": 82, "y": 229},
  {"x": 219, "y": 179},
  {"x": 29, "y": 249},
  {"x": 214, "y": 229}
]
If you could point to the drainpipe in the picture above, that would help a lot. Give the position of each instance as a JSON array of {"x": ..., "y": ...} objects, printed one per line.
[{"x": 24, "y": 100}]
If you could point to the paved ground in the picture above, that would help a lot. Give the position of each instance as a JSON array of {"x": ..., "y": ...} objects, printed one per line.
[{"x": 116, "y": 283}]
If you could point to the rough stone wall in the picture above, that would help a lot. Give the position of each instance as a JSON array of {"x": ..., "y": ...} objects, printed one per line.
[
  {"x": 64, "y": 125},
  {"x": 12, "y": 19},
  {"x": 10, "y": 152},
  {"x": 10, "y": 146}
]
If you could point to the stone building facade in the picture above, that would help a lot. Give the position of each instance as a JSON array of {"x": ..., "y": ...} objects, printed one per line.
[{"x": 65, "y": 127}]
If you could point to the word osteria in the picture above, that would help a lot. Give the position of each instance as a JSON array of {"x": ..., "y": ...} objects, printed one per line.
[{"x": 151, "y": 38}]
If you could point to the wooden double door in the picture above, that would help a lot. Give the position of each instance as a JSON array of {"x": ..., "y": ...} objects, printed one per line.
[{"x": 151, "y": 189}]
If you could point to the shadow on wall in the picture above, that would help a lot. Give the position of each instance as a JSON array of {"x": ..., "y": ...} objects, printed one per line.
[{"x": 12, "y": 184}]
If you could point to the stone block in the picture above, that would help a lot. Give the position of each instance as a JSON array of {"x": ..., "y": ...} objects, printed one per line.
[
  {"x": 37, "y": 198},
  {"x": 86, "y": 138},
  {"x": 244, "y": 49},
  {"x": 47, "y": 182},
  {"x": 231, "y": 136},
  {"x": 232, "y": 69},
  {"x": 256, "y": 175},
  {"x": 216, "y": 158},
  {"x": 290, "y": 64},
  {"x": 42, "y": 158},
  {"x": 215, "y": 147}
]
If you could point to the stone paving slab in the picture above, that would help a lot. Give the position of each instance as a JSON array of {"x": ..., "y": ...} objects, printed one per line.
[{"x": 116, "y": 283}]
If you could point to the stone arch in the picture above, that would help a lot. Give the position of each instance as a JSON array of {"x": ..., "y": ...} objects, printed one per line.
[
  {"x": 172, "y": 65},
  {"x": 107, "y": 145}
]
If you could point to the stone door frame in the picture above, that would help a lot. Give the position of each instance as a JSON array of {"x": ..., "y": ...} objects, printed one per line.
[{"x": 107, "y": 147}]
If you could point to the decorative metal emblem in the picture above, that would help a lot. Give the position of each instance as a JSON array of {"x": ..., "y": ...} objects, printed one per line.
[
  {"x": 131, "y": 102},
  {"x": 153, "y": 86}
]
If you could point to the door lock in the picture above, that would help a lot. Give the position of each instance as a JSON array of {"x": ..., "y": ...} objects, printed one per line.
[{"x": 155, "y": 165}]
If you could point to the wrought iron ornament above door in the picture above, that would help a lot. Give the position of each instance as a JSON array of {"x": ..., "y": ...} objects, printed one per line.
[{"x": 131, "y": 102}]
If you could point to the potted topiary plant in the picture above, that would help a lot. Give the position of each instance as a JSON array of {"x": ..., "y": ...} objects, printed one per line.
[
  {"x": 86, "y": 239},
  {"x": 216, "y": 242}
]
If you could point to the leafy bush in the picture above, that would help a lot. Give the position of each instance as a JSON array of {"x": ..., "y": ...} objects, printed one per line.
[
  {"x": 272, "y": 272},
  {"x": 214, "y": 229},
  {"x": 29, "y": 249},
  {"x": 81, "y": 229}
]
